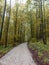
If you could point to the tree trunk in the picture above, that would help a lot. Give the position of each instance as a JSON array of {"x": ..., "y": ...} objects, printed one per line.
[
  {"x": 6, "y": 35},
  {"x": 44, "y": 37},
  {"x": 42, "y": 25},
  {"x": 15, "y": 23},
  {"x": 3, "y": 20},
  {"x": 36, "y": 23}
]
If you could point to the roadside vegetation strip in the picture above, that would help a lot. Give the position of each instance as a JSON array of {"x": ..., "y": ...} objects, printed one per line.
[
  {"x": 40, "y": 52},
  {"x": 4, "y": 50}
]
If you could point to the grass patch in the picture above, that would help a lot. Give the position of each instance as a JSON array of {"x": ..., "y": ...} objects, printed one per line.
[
  {"x": 39, "y": 46},
  {"x": 4, "y": 50},
  {"x": 42, "y": 50}
]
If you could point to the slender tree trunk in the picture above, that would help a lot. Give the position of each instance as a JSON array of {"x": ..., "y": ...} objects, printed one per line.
[
  {"x": 20, "y": 31},
  {"x": 36, "y": 23},
  {"x": 6, "y": 35},
  {"x": 31, "y": 24},
  {"x": 44, "y": 37},
  {"x": 14, "y": 32},
  {"x": 41, "y": 24},
  {"x": 24, "y": 34},
  {"x": 3, "y": 19},
  {"x": 15, "y": 23}
]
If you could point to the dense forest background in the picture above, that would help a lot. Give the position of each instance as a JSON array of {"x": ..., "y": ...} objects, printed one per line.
[{"x": 24, "y": 21}]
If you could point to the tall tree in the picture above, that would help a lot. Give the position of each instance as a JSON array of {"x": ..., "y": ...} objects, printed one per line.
[
  {"x": 7, "y": 23},
  {"x": 3, "y": 19},
  {"x": 42, "y": 25},
  {"x": 15, "y": 24}
]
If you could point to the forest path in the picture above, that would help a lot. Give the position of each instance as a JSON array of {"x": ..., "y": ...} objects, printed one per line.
[{"x": 20, "y": 55}]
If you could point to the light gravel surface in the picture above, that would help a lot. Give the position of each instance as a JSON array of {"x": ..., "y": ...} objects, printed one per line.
[{"x": 20, "y": 55}]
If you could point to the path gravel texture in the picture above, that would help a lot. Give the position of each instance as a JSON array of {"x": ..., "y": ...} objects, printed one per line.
[{"x": 19, "y": 55}]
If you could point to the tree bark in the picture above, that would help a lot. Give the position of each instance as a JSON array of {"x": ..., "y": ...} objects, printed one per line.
[
  {"x": 15, "y": 23},
  {"x": 3, "y": 19},
  {"x": 6, "y": 35}
]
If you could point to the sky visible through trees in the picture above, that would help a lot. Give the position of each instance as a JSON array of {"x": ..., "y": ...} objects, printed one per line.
[{"x": 13, "y": 2}]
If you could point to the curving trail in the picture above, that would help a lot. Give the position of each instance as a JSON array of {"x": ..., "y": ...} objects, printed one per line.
[{"x": 20, "y": 55}]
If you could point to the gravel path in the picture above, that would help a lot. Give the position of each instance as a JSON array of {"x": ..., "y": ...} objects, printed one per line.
[{"x": 20, "y": 55}]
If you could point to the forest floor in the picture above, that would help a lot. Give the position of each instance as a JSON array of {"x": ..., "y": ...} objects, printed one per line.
[{"x": 19, "y": 55}]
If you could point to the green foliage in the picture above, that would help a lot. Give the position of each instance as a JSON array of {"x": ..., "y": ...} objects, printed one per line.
[
  {"x": 42, "y": 50},
  {"x": 39, "y": 46},
  {"x": 4, "y": 50},
  {"x": 33, "y": 40},
  {"x": 46, "y": 59},
  {"x": 40, "y": 54}
]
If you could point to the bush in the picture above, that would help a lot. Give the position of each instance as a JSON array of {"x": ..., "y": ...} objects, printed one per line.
[{"x": 33, "y": 40}]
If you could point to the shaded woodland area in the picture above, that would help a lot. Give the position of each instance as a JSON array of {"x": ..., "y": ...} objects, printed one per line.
[{"x": 25, "y": 22}]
